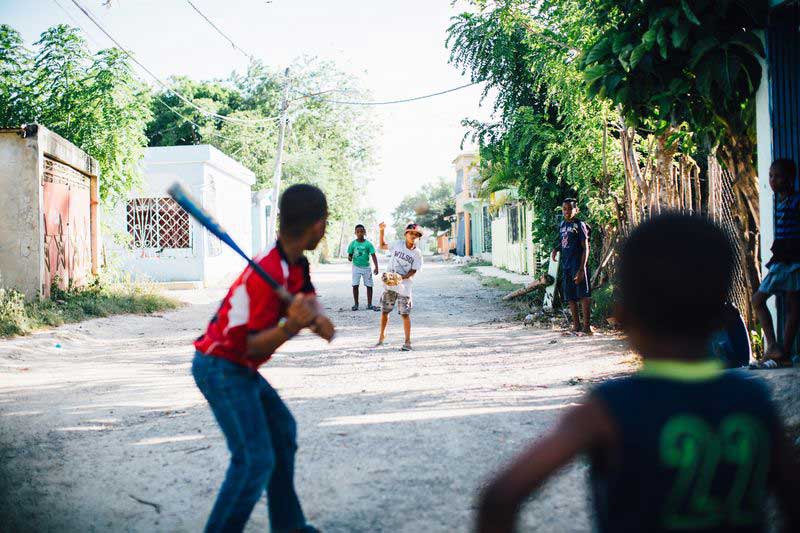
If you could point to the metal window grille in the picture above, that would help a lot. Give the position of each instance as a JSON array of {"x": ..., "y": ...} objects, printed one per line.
[
  {"x": 513, "y": 223},
  {"x": 158, "y": 223},
  {"x": 487, "y": 229}
]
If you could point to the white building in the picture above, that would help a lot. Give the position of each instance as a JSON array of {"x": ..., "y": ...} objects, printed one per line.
[{"x": 154, "y": 239}]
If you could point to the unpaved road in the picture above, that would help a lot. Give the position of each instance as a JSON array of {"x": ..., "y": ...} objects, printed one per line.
[{"x": 98, "y": 417}]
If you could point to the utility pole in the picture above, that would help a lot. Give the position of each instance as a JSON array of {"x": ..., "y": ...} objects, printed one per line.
[{"x": 276, "y": 175}]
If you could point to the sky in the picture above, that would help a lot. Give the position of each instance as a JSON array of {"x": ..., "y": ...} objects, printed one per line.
[{"x": 395, "y": 49}]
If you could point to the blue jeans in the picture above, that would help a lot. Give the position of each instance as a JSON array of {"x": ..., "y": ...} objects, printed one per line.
[{"x": 262, "y": 437}]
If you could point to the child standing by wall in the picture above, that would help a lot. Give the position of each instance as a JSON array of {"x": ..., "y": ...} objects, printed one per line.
[
  {"x": 784, "y": 267},
  {"x": 359, "y": 253}
]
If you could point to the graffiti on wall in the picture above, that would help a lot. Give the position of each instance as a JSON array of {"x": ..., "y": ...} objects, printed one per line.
[{"x": 67, "y": 225}]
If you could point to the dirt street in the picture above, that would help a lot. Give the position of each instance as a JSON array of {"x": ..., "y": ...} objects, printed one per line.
[{"x": 102, "y": 428}]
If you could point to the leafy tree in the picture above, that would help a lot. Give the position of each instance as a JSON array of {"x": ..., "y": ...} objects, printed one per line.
[
  {"x": 95, "y": 102},
  {"x": 431, "y": 208},
  {"x": 166, "y": 128},
  {"x": 667, "y": 64},
  {"x": 328, "y": 145},
  {"x": 15, "y": 64},
  {"x": 548, "y": 140}
]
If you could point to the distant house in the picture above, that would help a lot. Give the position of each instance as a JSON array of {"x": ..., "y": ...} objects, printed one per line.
[
  {"x": 50, "y": 228},
  {"x": 155, "y": 239},
  {"x": 472, "y": 224},
  {"x": 512, "y": 240}
]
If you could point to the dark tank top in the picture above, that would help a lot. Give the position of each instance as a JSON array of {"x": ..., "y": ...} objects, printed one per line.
[{"x": 694, "y": 451}]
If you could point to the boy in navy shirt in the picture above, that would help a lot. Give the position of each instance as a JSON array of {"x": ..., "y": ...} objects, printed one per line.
[
  {"x": 784, "y": 267},
  {"x": 573, "y": 243},
  {"x": 682, "y": 445}
]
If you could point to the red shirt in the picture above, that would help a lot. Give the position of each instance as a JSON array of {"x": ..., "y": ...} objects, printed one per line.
[{"x": 251, "y": 306}]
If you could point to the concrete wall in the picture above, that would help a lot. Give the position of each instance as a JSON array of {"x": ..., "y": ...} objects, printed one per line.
[
  {"x": 224, "y": 186},
  {"x": 517, "y": 257},
  {"x": 233, "y": 208},
  {"x": 22, "y": 204},
  {"x": 764, "y": 134},
  {"x": 151, "y": 264},
  {"x": 21, "y": 233},
  {"x": 263, "y": 233}
]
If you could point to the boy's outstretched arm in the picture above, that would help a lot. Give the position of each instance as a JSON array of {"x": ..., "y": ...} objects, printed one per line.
[
  {"x": 583, "y": 428},
  {"x": 323, "y": 326},
  {"x": 382, "y": 244}
]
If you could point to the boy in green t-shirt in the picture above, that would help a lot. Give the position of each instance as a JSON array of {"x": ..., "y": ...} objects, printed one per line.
[{"x": 359, "y": 253}]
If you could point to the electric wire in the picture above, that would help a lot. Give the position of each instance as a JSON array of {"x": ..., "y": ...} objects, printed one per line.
[
  {"x": 163, "y": 84},
  {"x": 222, "y": 33},
  {"x": 386, "y": 102},
  {"x": 316, "y": 95},
  {"x": 195, "y": 124},
  {"x": 78, "y": 24}
]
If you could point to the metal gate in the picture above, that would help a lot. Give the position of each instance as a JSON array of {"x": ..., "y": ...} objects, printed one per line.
[{"x": 67, "y": 225}]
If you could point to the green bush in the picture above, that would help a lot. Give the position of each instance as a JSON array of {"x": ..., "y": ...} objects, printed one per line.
[
  {"x": 602, "y": 304},
  {"x": 12, "y": 313},
  {"x": 19, "y": 316}
]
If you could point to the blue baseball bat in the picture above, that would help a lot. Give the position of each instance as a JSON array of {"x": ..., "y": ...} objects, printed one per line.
[{"x": 184, "y": 199}]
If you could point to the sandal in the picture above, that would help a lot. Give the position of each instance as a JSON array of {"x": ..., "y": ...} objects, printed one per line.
[
  {"x": 354, "y": 308},
  {"x": 769, "y": 364},
  {"x": 406, "y": 348}
]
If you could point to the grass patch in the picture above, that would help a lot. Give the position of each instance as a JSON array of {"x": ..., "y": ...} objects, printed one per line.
[
  {"x": 602, "y": 304},
  {"x": 501, "y": 284},
  {"x": 19, "y": 316},
  {"x": 472, "y": 266}
]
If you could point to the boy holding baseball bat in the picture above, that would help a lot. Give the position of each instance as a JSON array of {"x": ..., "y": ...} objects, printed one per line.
[
  {"x": 250, "y": 325},
  {"x": 682, "y": 445}
]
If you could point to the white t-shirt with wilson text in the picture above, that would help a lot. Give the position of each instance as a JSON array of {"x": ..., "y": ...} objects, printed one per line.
[{"x": 402, "y": 260}]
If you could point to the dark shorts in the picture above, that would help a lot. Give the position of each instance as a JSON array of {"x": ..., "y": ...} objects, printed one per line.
[{"x": 575, "y": 291}]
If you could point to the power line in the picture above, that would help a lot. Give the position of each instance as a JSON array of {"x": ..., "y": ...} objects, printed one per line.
[
  {"x": 77, "y": 24},
  {"x": 186, "y": 119},
  {"x": 316, "y": 95},
  {"x": 388, "y": 102},
  {"x": 195, "y": 124},
  {"x": 164, "y": 85},
  {"x": 218, "y": 30}
]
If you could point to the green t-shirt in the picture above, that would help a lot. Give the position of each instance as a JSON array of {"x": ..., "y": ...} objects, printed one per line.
[{"x": 361, "y": 252}]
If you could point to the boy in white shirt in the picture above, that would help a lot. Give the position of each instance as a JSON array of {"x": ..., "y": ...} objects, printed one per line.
[{"x": 405, "y": 260}]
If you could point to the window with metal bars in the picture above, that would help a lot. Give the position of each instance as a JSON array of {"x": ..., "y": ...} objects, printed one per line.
[
  {"x": 158, "y": 223},
  {"x": 513, "y": 223},
  {"x": 487, "y": 229}
]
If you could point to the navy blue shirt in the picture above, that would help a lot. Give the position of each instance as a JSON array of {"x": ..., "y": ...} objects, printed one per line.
[
  {"x": 571, "y": 234},
  {"x": 786, "y": 247},
  {"x": 691, "y": 456}
]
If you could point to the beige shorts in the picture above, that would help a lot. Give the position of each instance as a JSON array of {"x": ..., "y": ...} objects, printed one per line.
[{"x": 388, "y": 300}]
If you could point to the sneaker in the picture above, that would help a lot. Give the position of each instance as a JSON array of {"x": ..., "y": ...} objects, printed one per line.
[
  {"x": 354, "y": 308},
  {"x": 406, "y": 348}
]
